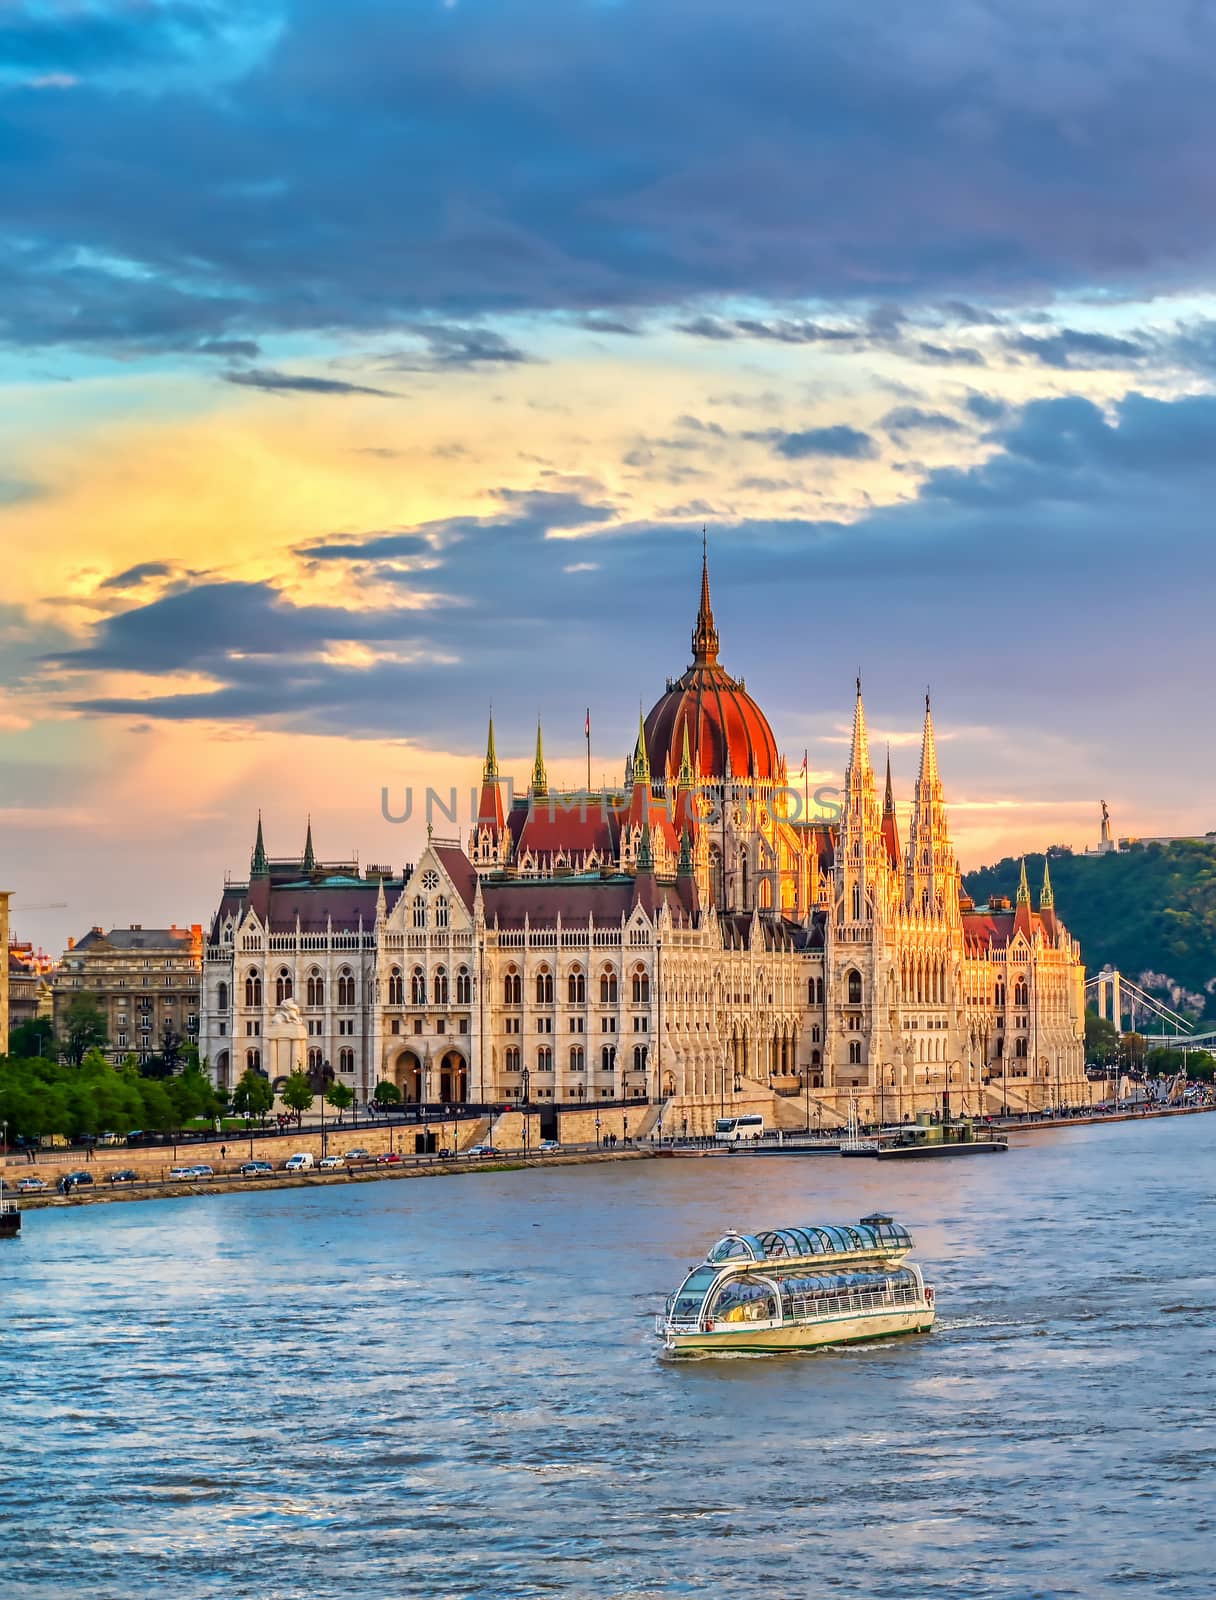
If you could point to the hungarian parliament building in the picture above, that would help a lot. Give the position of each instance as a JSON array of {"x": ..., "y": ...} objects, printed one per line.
[{"x": 690, "y": 937}]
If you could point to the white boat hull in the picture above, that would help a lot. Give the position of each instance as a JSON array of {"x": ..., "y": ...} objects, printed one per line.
[{"x": 854, "y": 1327}]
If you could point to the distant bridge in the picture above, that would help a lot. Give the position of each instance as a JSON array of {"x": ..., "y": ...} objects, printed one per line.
[{"x": 1115, "y": 996}]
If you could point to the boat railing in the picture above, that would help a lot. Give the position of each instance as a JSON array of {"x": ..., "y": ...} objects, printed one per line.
[{"x": 799, "y": 1309}]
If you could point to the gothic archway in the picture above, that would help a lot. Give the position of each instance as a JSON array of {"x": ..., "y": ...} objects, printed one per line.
[
  {"x": 408, "y": 1076},
  {"x": 453, "y": 1078}
]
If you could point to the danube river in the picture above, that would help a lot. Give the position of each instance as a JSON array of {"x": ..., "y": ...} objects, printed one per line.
[{"x": 450, "y": 1387}]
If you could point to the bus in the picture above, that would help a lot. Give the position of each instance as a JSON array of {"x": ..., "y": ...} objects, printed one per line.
[{"x": 732, "y": 1130}]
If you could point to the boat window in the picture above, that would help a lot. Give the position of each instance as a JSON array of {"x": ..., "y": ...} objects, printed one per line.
[
  {"x": 692, "y": 1292},
  {"x": 736, "y": 1247},
  {"x": 744, "y": 1300}
]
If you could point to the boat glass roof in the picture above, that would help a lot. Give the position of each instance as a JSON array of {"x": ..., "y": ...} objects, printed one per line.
[{"x": 776, "y": 1244}]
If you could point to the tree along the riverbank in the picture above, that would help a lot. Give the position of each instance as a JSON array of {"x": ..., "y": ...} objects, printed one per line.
[{"x": 39, "y": 1098}]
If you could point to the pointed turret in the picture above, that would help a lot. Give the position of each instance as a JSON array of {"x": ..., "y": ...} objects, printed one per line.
[
  {"x": 932, "y": 870},
  {"x": 645, "y": 854},
  {"x": 259, "y": 867},
  {"x": 1023, "y": 886},
  {"x": 641, "y": 765},
  {"x": 705, "y": 634},
  {"x": 890, "y": 827},
  {"x": 859, "y": 752},
  {"x": 687, "y": 777},
  {"x": 540, "y": 782},
  {"x": 310, "y": 859},
  {"x": 683, "y": 804},
  {"x": 489, "y": 805},
  {"x": 684, "y": 867},
  {"x": 1047, "y": 898}
]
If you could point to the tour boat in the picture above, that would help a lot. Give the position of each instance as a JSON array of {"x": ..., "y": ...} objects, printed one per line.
[
  {"x": 799, "y": 1289},
  {"x": 952, "y": 1136}
]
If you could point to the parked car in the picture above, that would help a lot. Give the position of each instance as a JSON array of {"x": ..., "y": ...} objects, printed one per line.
[
  {"x": 30, "y": 1185},
  {"x": 202, "y": 1171},
  {"x": 125, "y": 1175},
  {"x": 81, "y": 1180},
  {"x": 547, "y": 1146},
  {"x": 445, "y": 1154},
  {"x": 485, "y": 1150},
  {"x": 254, "y": 1169},
  {"x": 300, "y": 1162},
  {"x": 329, "y": 1163},
  {"x": 390, "y": 1158},
  {"x": 357, "y": 1155},
  {"x": 181, "y": 1172}
]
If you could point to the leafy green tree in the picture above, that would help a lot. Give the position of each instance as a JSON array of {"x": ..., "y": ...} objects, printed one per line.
[
  {"x": 340, "y": 1096},
  {"x": 1101, "y": 1038},
  {"x": 192, "y": 1095},
  {"x": 387, "y": 1093},
  {"x": 84, "y": 1028},
  {"x": 253, "y": 1095},
  {"x": 1132, "y": 1049},
  {"x": 296, "y": 1094},
  {"x": 35, "y": 1038}
]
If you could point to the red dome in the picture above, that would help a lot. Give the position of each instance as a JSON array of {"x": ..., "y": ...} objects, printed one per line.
[{"x": 728, "y": 734}]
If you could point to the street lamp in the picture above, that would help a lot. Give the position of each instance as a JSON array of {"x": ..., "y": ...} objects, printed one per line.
[
  {"x": 625, "y": 1128},
  {"x": 324, "y": 1076},
  {"x": 527, "y": 1082},
  {"x": 597, "y": 1130}
]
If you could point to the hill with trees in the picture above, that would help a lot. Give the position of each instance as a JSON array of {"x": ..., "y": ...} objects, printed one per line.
[{"x": 1149, "y": 911}]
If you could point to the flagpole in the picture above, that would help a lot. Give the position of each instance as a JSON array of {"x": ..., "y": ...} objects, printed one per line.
[
  {"x": 806, "y": 785},
  {"x": 588, "y": 749}
]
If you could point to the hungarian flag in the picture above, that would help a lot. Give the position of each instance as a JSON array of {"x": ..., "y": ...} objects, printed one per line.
[
  {"x": 588, "y": 722},
  {"x": 805, "y": 754}
]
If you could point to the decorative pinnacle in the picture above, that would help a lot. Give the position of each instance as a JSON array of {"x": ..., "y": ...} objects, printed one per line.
[
  {"x": 705, "y": 634},
  {"x": 1047, "y": 898},
  {"x": 641, "y": 762},
  {"x": 490, "y": 771},
  {"x": 540, "y": 782},
  {"x": 1023, "y": 887},
  {"x": 259, "y": 866},
  {"x": 310, "y": 859},
  {"x": 645, "y": 855}
]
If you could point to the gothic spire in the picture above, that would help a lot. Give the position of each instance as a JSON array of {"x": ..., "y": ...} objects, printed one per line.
[
  {"x": 1023, "y": 887},
  {"x": 259, "y": 866},
  {"x": 490, "y": 771},
  {"x": 888, "y": 804},
  {"x": 684, "y": 868},
  {"x": 310, "y": 859},
  {"x": 859, "y": 754},
  {"x": 705, "y": 634},
  {"x": 641, "y": 763},
  {"x": 686, "y": 778},
  {"x": 1047, "y": 898},
  {"x": 540, "y": 783},
  {"x": 928, "y": 752},
  {"x": 645, "y": 854}
]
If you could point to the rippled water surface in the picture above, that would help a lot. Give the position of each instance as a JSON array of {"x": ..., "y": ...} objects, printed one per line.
[{"x": 450, "y": 1388}]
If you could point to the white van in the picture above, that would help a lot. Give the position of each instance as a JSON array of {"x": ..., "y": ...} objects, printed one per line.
[{"x": 298, "y": 1163}]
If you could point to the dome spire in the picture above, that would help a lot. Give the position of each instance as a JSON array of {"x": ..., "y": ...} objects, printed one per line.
[
  {"x": 540, "y": 780},
  {"x": 705, "y": 635}
]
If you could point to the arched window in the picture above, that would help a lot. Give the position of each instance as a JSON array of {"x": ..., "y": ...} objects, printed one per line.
[
  {"x": 315, "y": 988},
  {"x": 1020, "y": 1048},
  {"x": 544, "y": 1058},
  {"x": 641, "y": 988},
  {"x": 576, "y": 987},
  {"x": 810, "y": 991},
  {"x": 253, "y": 1060},
  {"x": 854, "y": 1052},
  {"x": 639, "y": 1058},
  {"x": 346, "y": 987},
  {"x": 512, "y": 1062},
  {"x": 441, "y": 911},
  {"x": 282, "y": 986},
  {"x": 544, "y": 987},
  {"x": 512, "y": 988},
  {"x": 221, "y": 997},
  {"x": 314, "y": 1061},
  {"x": 608, "y": 987},
  {"x": 253, "y": 987},
  {"x": 346, "y": 1060},
  {"x": 419, "y": 911},
  {"x": 577, "y": 1059},
  {"x": 818, "y": 991},
  {"x": 816, "y": 1059},
  {"x": 608, "y": 1058},
  {"x": 854, "y": 983},
  {"x": 396, "y": 988},
  {"x": 856, "y": 902},
  {"x": 464, "y": 987},
  {"x": 417, "y": 987},
  {"x": 441, "y": 986},
  {"x": 1021, "y": 995}
]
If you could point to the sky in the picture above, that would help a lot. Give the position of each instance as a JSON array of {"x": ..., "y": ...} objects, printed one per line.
[{"x": 365, "y": 363}]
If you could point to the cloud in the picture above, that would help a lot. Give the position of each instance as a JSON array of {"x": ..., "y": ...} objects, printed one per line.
[
  {"x": 299, "y": 383},
  {"x": 469, "y": 161},
  {"x": 940, "y": 355},
  {"x": 841, "y": 441},
  {"x": 132, "y": 577},
  {"x": 448, "y": 348},
  {"x": 1073, "y": 349},
  {"x": 913, "y": 419}
]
